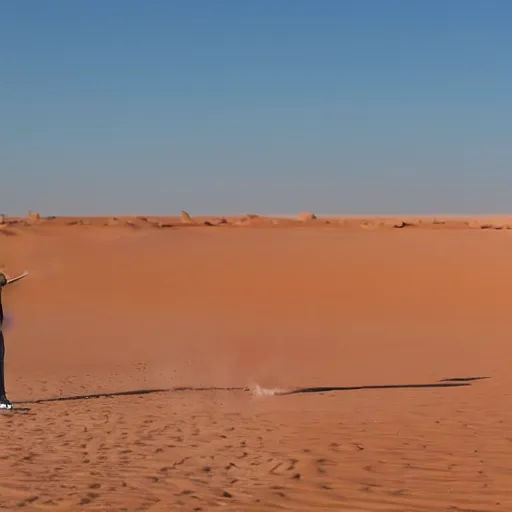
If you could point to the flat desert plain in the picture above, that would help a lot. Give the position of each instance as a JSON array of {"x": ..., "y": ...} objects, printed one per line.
[{"x": 275, "y": 365}]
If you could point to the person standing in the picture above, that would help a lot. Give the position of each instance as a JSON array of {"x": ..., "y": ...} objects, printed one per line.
[{"x": 4, "y": 403}]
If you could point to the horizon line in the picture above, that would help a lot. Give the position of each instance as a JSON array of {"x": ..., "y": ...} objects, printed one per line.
[{"x": 261, "y": 214}]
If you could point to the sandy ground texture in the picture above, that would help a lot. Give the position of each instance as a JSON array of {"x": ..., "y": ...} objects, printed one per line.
[{"x": 395, "y": 341}]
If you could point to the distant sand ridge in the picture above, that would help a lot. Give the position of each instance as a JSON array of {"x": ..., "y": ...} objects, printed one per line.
[{"x": 304, "y": 219}]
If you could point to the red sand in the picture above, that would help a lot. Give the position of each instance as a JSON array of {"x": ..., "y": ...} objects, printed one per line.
[{"x": 288, "y": 305}]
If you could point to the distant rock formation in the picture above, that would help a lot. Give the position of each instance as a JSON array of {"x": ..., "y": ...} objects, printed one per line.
[
  {"x": 475, "y": 224},
  {"x": 163, "y": 225},
  {"x": 396, "y": 223},
  {"x": 33, "y": 217},
  {"x": 185, "y": 218},
  {"x": 368, "y": 225},
  {"x": 215, "y": 222},
  {"x": 249, "y": 219},
  {"x": 306, "y": 216}
]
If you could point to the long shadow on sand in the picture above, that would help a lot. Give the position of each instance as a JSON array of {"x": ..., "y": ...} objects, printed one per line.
[
  {"x": 463, "y": 379},
  {"x": 96, "y": 395},
  {"x": 388, "y": 386},
  {"x": 126, "y": 393},
  {"x": 455, "y": 382}
]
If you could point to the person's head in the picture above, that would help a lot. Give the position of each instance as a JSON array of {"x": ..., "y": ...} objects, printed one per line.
[{"x": 3, "y": 279}]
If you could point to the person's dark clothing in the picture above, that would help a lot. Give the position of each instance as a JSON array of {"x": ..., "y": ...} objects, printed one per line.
[{"x": 2, "y": 351}]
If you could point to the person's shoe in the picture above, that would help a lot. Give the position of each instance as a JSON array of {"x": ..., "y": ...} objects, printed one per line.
[{"x": 4, "y": 403}]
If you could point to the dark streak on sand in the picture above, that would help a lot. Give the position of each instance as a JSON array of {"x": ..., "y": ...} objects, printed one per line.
[{"x": 445, "y": 383}]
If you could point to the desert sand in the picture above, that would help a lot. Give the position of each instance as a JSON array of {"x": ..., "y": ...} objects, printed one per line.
[{"x": 239, "y": 338}]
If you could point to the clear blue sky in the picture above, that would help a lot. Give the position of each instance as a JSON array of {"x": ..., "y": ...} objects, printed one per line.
[{"x": 270, "y": 106}]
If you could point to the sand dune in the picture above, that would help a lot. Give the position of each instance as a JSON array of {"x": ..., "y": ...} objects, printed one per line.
[{"x": 222, "y": 321}]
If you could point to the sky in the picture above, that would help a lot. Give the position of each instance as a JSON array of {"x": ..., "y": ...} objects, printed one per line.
[{"x": 269, "y": 106}]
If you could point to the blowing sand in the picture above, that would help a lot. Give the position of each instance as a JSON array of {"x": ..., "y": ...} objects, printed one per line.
[{"x": 294, "y": 366}]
